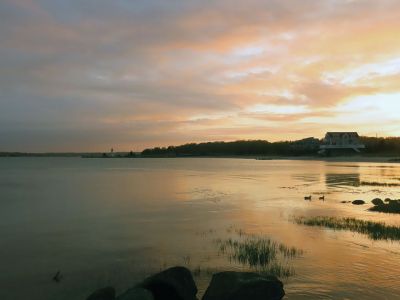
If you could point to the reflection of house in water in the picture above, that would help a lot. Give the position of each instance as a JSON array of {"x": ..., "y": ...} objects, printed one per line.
[
  {"x": 308, "y": 178},
  {"x": 341, "y": 140},
  {"x": 340, "y": 179}
]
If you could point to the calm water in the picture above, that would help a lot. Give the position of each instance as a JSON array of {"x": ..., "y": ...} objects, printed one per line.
[{"x": 115, "y": 221}]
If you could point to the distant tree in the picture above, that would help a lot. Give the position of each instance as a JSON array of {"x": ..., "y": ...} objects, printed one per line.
[{"x": 375, "y": 146}]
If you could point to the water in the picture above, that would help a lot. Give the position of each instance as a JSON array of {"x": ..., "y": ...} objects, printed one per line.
[{"x": 115, "y": 221}]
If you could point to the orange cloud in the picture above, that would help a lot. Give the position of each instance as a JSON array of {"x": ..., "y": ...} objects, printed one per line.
[{"x": 160, "y": 74}]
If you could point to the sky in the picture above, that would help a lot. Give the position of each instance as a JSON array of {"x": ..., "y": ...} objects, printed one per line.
[{"x": 94, "y": 74}]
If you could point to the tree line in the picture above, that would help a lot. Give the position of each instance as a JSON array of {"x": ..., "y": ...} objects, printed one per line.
[
  {"x": 306, "y": 147},
  {"x": 244, "y": 147}
]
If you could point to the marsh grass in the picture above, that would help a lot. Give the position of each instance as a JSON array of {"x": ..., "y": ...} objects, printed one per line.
[
  {"x": 375, "y": 183},
  {"x": 186, "y": 260},
  {"x": 374, "y": 230},
  {"x": 260, "y": 253}
]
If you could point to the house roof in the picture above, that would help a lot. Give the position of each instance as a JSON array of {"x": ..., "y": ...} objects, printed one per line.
[{"x": 339, "y": 134}]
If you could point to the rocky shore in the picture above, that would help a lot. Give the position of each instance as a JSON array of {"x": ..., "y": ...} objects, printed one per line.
[{"x": 177, "y": 284}]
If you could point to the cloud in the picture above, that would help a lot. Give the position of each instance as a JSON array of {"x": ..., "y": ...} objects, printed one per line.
[{"x": 136, "y": 74}]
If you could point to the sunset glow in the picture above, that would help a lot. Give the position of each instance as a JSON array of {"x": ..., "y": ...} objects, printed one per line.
[{"x": 87, "y": 76}]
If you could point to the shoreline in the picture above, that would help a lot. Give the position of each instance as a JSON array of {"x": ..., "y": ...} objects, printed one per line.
[
  {"x": 376, "y": 159},
  {"x": 372, "y": 159}
]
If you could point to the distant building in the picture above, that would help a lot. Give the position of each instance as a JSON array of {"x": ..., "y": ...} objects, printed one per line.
[{"x": 341, "y": 140}]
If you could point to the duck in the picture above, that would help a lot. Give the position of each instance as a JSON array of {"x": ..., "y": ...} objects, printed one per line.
[{"x": 322, "y": 198}]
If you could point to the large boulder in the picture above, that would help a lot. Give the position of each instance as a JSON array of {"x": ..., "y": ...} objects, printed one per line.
[
  {"x": 358, "y": 202},
  {"x": 377, "y": 201},
  {"x": 107, "y": 293},
  {"x": 242, "y": 285},
  {"x": 173, "y": 284},
  {"x": 136, "y": 294}
]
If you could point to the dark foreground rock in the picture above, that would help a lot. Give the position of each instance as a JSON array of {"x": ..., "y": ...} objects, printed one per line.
[
  {"x": 107, "y": 293},
  {"x": 358, "y": 202},
  {"x": 175, "y": 283},
  {"x": 377, "y": 201},
  {"x": 241, "y": 285},
  {"x": 136, "y": 294}
]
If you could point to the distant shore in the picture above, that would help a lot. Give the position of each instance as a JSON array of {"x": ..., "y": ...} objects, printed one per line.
[
  {"x": 386, "y": 159},
  {"x": 353, "y": 158},
  {"x": 382, "y": 159}
]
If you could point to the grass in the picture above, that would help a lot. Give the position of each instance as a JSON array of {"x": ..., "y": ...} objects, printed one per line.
[
  {"x": 374, "y": 183},
  {"x": 259, "y": 253},
  {"x": 374, "y": 230}
]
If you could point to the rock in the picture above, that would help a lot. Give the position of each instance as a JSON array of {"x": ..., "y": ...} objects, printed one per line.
[
  {"x": 358, "y": 202},
  {"x": 393, "y": 201},
  {"x": 136, "y": 294},
  {"x": 107, "y": 293},
  {"x": 242, "y": 285},
  {"x": 393, "y": 206},
  {"x": 377, "y": 201},
  {"x": 173, "y": 284},
  {"x": 344, "y": 201},
  {"x": 388, "y": 200}
]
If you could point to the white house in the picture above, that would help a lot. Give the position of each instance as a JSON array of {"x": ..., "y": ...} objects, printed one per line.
[{"x": 342, "y": 140}]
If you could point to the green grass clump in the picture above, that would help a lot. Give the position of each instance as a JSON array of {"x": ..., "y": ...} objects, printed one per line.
[
  {"x": 374, "y": 230},
  {"x": 261, "y": 254}
]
